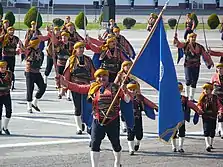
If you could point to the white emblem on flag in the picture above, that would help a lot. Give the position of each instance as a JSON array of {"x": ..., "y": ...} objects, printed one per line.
[{"x": 161, "y": 70}]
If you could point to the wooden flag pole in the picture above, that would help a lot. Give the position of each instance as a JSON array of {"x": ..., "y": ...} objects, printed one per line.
[{"x": 137, "y": 57}]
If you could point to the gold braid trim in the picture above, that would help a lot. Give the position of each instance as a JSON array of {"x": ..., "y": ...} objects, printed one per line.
[
  {"x": 201, "y": 98},
  {"x": 94, "y": 88},
  {"x": 6, "y": 40}
]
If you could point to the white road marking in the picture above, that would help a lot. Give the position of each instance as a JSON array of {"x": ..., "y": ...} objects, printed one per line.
[
  {"x": 45, "y": 121},
  {"x": 43, "y": 143},
  {"x": 21, "y": 93},
  {"x": 69, "y": 141},
  {"x": 46, "y": 112}
]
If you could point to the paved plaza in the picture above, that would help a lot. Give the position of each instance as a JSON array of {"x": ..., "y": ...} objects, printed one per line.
[{"x": 48, "y": 138}]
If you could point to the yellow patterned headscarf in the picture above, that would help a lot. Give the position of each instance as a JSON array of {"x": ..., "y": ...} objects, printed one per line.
[
  {"x": 133, "y": 86},
  {"x": 69, "y": 24},
  {"x": 101, "y": 71},
  {"x": 34, "y": 42},
  {"x": 105, "y": 46},
  {"x": 33, "y": 23},
  {"x": 65, "y": 34},
  {"x": 79, "y": 44},
  {"x": 207, "y": 86},
  {"x": 180, "y": 86},
  {"x": 56, "y": 28},
  {"x": 73, "y": 56},
  {"x": 191, "y": 35},
  {"x": 116, "y": 29},
  {"x": 3, "y": 63},
  {"x": 5, "y": 21},
  {"x": 94, "y": 88},
  {"x": 10, "y": 29}
]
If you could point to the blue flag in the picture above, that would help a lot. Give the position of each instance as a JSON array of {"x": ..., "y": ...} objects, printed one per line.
[
  {"x": 180, "y": 55},
  {"x": 127, "y": 113},
  {"x": 86, "y": 107},
  {"x": 159, "y": 71},
  {"x": 147, "y": 67}
]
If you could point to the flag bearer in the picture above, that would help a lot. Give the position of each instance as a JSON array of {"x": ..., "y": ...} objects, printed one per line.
[{"x": 101, "y": 93}]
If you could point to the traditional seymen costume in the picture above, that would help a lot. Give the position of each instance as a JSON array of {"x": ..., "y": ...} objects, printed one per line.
[{"x": 5, "y": 97}]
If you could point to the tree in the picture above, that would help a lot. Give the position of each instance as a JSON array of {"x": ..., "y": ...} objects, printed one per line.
[
  {"x": 10, "y": 17},
  {"x": 213, "y": 21},
  {"x": 58, "y": 22},
  {"x": 31, "y": 15},
  {"x": 79, "y": 21}
]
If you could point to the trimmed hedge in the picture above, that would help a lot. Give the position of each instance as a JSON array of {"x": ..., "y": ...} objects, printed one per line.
[
  {"x": 172, "y": 23},
  {"x": 31, "y": 15},
  {"x": 129, "y": 22},
  {"x": 194, "y": 17},
  {"x": 101, "y": 17},
  {"x": 213, "y": 21},
  {"x": 58, "y": 22},
  {"x": 10, "y": 17},
  {"x": 79, "y": 21}
]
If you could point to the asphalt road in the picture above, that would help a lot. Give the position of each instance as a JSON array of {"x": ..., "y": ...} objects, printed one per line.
[{"x": 48, "y": 138}]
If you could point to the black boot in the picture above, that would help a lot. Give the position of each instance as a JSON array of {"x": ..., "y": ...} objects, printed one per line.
[
  {"x": 208, "y": 149},
  {"x": 13, "y": 85},
  {"x": 136, "y": 148},
  {"x": 6, "y": 131}
]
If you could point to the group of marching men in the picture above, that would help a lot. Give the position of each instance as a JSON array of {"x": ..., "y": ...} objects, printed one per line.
[{"x": 99, "y": 80}]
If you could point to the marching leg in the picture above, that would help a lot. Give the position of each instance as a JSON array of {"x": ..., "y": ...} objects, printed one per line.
[
  {"x": 8, "y": 108},
  {"x": 117, "y": 158},
  {"x": 207, "y": 143},
  {"x": 211, "y": 142},
  {"x": 138, "y": 132},
  {"x": 219, "y": 129},
  {"x": 124, "y": 127},
  {"x": 181, "y": 135},
  {"x": 59, "y": 93},
  {"x": 5, "y": 126},
  {"x": 35, "y": 104},
  {"x": 29, "y": 107},
  {"x": 78, "y": 124},
  {"x": 131, "y": 145},
  {"x": 45, "y": 79},
  {"x": 136, "y": 148},
  {"x": 174, "y": 144},
  {"x": 68, "y": 95},
  {"x": 181, "y": 142},
  {"x": 41, "y": 90},
  {"x": 192, "y": 93},
  {"x": 187, "y": 91},
  {"x": 94, "y": 158}
]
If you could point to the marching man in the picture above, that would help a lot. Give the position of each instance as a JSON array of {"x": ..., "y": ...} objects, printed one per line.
[
  {"x": 212, "y": 108},
  {"x": 79, "y": 69},
  {"x": 101, "y": 93},
  {"x": 217, "y": 81},
  {"x": 193, "y": 52},
  {"x": 5, "y": 97},
  {"x": 139, "y": 102},
  {"x": 186, "y": 105}
]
